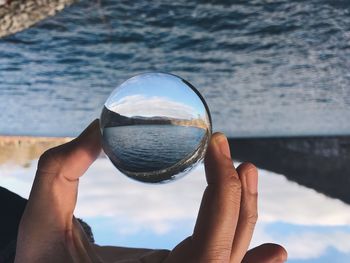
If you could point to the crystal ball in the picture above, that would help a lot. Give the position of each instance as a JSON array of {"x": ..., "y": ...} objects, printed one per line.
[{"x": 155, "y": 127}]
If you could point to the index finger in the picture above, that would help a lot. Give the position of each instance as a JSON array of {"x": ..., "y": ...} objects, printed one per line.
[{"x": 218, "y": 215}]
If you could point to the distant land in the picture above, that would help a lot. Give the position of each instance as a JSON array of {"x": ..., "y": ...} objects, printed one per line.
[
  {"x": 21, "y": 150},
  {"x": 113, "y": 119}
]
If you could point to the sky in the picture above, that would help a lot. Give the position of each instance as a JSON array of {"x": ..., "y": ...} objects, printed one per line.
[
  {"x": 311, "y": 226},
  {"x": 155, "y": 94}
]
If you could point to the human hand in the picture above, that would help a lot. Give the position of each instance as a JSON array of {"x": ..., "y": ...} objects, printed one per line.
[{"x": 49, "y": 232}]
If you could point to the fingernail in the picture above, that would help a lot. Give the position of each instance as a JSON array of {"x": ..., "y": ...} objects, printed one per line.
[
  {"x": 224, "y": 147},
  {"x": 252, "y": 181}
]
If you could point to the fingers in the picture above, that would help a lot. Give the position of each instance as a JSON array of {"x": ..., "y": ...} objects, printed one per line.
[
  {"x": 79, "y": 247},
  {"x": 218, "y": 214},
  {"x": 248, "y": 211},
  {"x": 266, "y": 253}
]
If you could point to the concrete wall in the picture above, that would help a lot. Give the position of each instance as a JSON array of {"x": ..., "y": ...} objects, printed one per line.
[{"x": 322, "y": 163}]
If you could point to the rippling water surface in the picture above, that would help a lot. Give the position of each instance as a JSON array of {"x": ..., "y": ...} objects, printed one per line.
[
  {"x": 147, "y": 148},
  {"x": 265, "y": 68}
]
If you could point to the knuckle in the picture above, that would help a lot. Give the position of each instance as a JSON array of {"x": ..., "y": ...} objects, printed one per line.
[
  {"x": 251, "y": 217},
  {"x": 234, "y": 184},
  {"x": 218, "y": 253},
  {"x": 232, "y": 190},
  {"x": 49, "y": 160}
]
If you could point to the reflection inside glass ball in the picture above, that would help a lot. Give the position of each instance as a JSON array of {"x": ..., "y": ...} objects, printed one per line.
[{"x": 155, "y": 127}]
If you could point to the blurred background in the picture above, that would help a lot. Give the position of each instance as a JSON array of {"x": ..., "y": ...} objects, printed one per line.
[{"x": 275, "y": 77}]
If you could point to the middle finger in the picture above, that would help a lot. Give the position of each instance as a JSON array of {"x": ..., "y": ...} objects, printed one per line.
[{"x": 248, "y": 214}]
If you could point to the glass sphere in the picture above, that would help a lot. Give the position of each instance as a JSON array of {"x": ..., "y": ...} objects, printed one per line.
[{"x": 155, "y": 127}]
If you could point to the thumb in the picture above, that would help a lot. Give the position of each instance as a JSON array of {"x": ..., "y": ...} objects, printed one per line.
[
  {"x": 54, "y": 192},
  {"x": 48, "y": 216},
  {"x": 72, "y": 159},
  {"x": 266, "y": 253}
]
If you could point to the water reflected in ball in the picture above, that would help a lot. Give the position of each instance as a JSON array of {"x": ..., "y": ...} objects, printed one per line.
[{"x": 155, "y": 127}]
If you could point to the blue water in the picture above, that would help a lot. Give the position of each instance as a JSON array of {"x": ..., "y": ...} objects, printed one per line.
[
  {"x": 147, "y": 148},
  {"x": 276, "y": 68}
]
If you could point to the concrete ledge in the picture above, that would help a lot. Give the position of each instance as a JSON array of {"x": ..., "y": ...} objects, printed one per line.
[{"x": 321, "y": 163}]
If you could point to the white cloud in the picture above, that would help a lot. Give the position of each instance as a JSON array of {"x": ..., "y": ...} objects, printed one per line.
[
  {"x": 304, "y": 244},
  {"x": 106, "y": 193},
  {"x": 17, "y": 179},
  {"x": 157, "y": 207},
  {"x": 313, "y": 245},
  {"x": 112, "y": 194},
  {"x": 279, "y": 199},
  {"x": 139, "y": 105},
  {"x": 286, "y": 201}
]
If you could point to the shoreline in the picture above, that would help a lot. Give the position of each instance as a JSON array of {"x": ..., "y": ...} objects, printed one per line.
[
  {"x": 31, "y": 139},
  {"x": 317, "y": 162},
  {"x": 21, "y": 150}
]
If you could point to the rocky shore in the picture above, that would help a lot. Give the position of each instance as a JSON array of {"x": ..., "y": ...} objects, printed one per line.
[{"x": 17, "y": 15}]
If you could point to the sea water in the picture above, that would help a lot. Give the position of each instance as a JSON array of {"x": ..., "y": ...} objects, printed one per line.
[{"x": 147, "y": 148}]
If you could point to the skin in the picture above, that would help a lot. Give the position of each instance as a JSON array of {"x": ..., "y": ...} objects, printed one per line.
[{"x": 49, "y": 232}]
